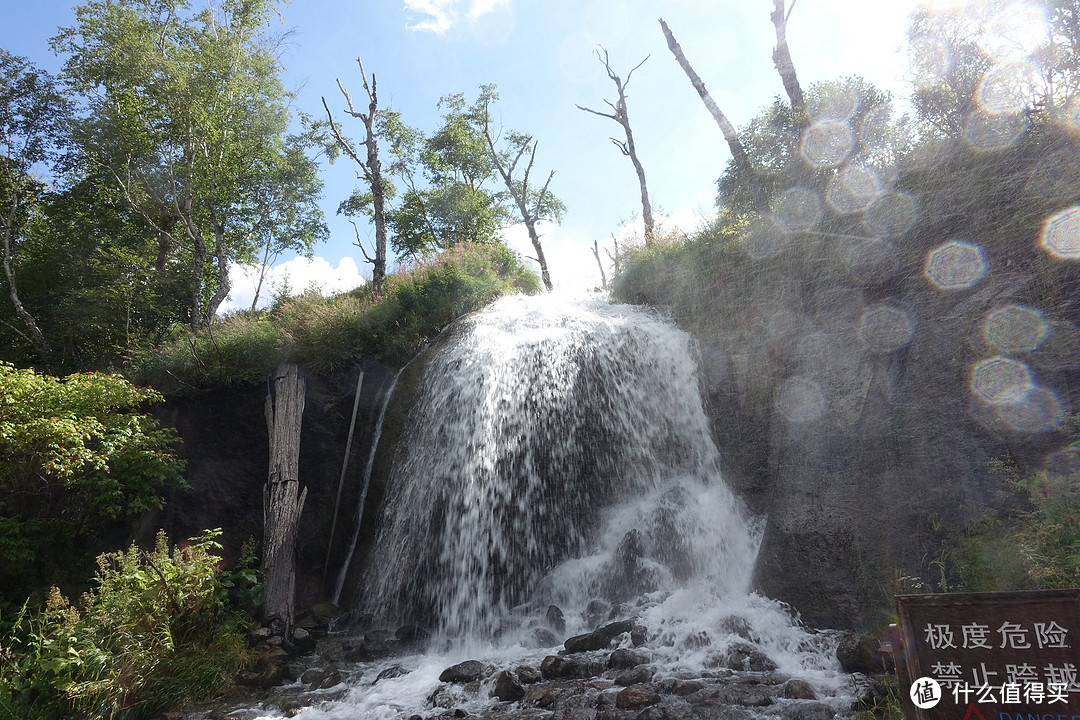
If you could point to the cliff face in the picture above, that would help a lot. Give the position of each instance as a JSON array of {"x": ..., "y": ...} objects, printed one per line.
[
  {"x": 226, "y": 446},
  {"x": 864, "y": 455}
]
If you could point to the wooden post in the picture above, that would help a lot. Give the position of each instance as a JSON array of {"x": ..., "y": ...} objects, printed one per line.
[{"x": 281, "y": 504}]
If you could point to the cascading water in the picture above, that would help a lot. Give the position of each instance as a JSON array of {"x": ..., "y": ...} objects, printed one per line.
[
  {"x": 537, "y": 435},
  {"x": 556, "y": 473}
]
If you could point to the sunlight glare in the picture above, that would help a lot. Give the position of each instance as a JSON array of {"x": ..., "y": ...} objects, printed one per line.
[
  {"x": 1061, "y": 234},
  {"x": 797, "y": 209},
  {"x": 1015, "y": 328},
  {"x": 852, "y": 189},
  {"x": 885, "y": 328},
  {"x": 827, "y": 143},
  {"x": 891, "y": 215},
  {"x": 956, "y": 265},
  {"x": 1000, "y": 380},
  {"x": 1035, "y": 411}
]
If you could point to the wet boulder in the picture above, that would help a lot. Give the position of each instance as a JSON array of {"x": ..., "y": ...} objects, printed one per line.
[
  {"x": 507, "y": 687},
  {"x": 598, "y": 639},
  {"x": 464, "y": 672}
]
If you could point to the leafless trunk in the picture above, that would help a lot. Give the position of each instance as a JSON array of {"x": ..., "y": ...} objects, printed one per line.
[
  {"x": 221, "y": 256},
  {"x": 743, "y": 166},
  {"x": 530, "y": 215},
  {"x": 370, "y": 169},
  {"x": 596, "y": 254},
  {"x": 281, "y": 504},
  {"x": 620, "y": 116},
  {"x": 782, "y": 60}
]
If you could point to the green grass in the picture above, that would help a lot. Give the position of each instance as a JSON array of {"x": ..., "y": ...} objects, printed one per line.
[{"x": 416, "y": 302}]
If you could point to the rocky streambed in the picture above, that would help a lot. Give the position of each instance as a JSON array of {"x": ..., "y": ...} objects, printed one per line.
[{"x": 620, "y": 670}]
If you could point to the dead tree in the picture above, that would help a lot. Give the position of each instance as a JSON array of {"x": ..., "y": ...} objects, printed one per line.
[
  {"x": 620, "y": 116},
  {"x": 596, "y": 254},
  {"x": 782, "y": 60},
  {"x": 370, "y": 169},
  {"x": 743, "y": 166},
  {"x": 283, "y": 502},
  {"x": 532, "y": 204}
]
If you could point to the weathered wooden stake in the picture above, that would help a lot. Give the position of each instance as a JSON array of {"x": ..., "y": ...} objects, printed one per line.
[{"x": 281, "y": 504}]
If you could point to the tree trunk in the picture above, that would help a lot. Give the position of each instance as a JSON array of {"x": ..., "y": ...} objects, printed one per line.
[
  {"x": 36, "y": 337},
  {"x": 281, "y": 504},
  {"x": 784, "y": 65},
  {"x": 743, "y": 166}
]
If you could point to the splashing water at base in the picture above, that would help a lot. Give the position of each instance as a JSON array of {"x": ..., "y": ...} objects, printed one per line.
[{"x": 557, "y": 463}]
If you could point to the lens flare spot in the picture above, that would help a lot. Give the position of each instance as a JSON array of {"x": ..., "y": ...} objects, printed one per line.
[
  {"x": 891, "y": 215},
  {"x": 884, "y": 328},
  {"x": 1007, "y": 87},
  {"x": 797, "y": 209},
  {"x": 955, "y": 265},
  {"x": 834, "y": 101},
  {"x": 827, "y": 143},
  {"x": 1036, "y": 411},
  {"x": 988, "y": 132},
  {"x": 1000, "y": 380},
  {"x": 852, "y": 189},
  {"x": 872, "y": 261},
  {"x": 1061, "y": 234},
  {"x": 800, "y": 400},
  {"x": 1015, "y": 32},
  {"x": 929, "y": 59},
  {"x": 1015, "y": 328},
  {"x": 1063, "y": 467}
]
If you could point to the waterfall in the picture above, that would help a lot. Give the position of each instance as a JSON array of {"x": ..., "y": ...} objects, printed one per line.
[{"x": 557, "y": 453}]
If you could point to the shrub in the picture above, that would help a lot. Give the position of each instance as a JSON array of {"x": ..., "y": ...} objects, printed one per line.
[
  {"x": 154, "y": 633},
  {"x": 416, "y": 302},
  {"x": 75, "y": 452}
]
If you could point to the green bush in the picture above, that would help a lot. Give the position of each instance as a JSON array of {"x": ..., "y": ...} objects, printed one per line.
[
  {"x": 416, "y": 302},
  {"x": 75, "y": 453},
  {"x": 156, "y": 632},
  {"x": 1035, "y": 549}
]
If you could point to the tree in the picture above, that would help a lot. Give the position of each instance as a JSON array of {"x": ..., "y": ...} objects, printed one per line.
[
  {"x": 185, "y": 114},
  {"x": 743, "y": 167},
  {"x": 533, "y": 204},
  {"x": 283, "y": 201},
  {"x": 370, "y": 168},
  {"x": 619, "y": 115},
  {"x": 33, "y": 113}
]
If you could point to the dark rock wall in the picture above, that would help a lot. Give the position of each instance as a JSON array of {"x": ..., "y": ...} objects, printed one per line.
[
  {"x": 866, "y": 489},
  {"x": 226, "y": 446}
]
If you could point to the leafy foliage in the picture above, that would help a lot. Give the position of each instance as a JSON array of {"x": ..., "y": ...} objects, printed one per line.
[
  {"x": 417, "y": 301},
  {"x": 154, "y": 633},
  {"x": 74, "y": 452}
]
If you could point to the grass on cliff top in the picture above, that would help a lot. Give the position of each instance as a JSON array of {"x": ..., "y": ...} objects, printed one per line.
[{"x": 417, "y": 301}]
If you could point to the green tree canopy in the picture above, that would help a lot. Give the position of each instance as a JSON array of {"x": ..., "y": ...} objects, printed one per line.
[{"x": 187, "y": 116}]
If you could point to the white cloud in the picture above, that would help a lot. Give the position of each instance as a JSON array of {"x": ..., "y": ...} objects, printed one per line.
[
  {"x": 438, "y": 16},
  {"x": 300, "y": 274}
]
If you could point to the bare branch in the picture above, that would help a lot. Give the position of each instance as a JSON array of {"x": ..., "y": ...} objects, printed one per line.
[
  {"x": 738, "y": 153},
  {"x": 360, "y": 242},
  {"x": 597, "y": 112},
  {"x": 782, "y": 60}
]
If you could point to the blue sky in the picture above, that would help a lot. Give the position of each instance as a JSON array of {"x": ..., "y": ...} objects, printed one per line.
[{"x": 540, "y": 54}]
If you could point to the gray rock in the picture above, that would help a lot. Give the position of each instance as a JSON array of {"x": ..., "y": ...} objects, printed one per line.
[
  {"x": 598, "y": 639},
  {"x": 625, "y": 658},
  {"x": 507, "y": 687},
  {"x": 636, "y": 697},
  {"x": 798, "y": 690},
  {"x": 639, "y": 635},
  {"x": 555, "y": 619},
  {"x": 635, "y": 676},
  {"x": 741, "y": 656},
  {"x": 463, "y": 672},
  {"x": 395, "y": 671},
  {"x": 528, "y": 675},
  {"x": 807, "y": 711}
]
